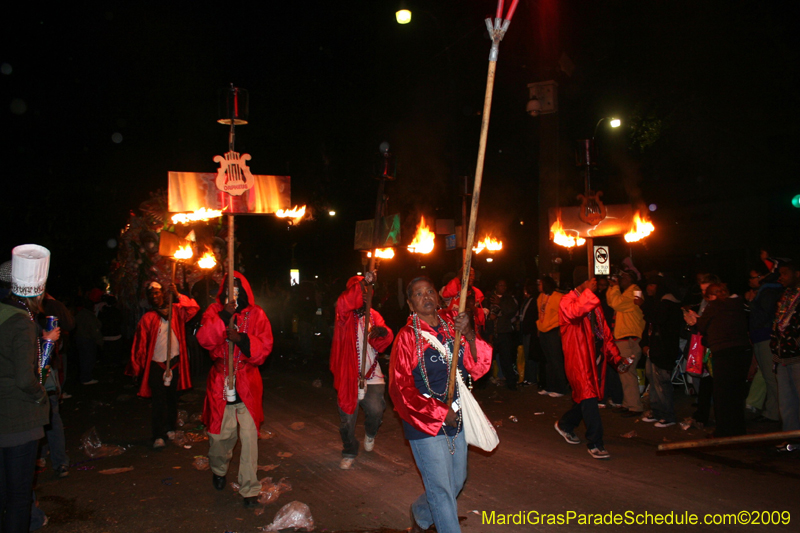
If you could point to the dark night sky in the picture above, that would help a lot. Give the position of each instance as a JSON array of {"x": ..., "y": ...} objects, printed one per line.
[{"x": 329, "y": 82}]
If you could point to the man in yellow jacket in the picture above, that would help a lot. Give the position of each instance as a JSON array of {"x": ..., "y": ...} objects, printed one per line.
[
  {"x": 550, "y": 339},
  {"x": 625, "y": 298}
]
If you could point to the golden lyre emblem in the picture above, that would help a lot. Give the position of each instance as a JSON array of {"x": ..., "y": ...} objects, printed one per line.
[
  {"x": 233, "y": 175},
  {"x": 592, "y": 210}
]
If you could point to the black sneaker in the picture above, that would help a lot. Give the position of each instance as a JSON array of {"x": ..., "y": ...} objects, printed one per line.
[
  {"x": 570, "y": 437},
  {"x": 599, "y": 452},
  {"x": 62, "y": 471},
  {"x": 218, "y": 481}
]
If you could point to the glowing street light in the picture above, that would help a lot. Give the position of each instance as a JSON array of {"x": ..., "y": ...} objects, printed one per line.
[
  {"x": 615, "y": 123},
  {"x": 403, "y": 16}
]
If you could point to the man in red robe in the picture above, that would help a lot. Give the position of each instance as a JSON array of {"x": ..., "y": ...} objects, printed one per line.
[
  {"x": 149, "y": 357},
  {"x": 588, "y": 343},
  {"x": 226, "y": 410},
  {"x": 452, "y": 294},
  {"x": 346, "y": 367}
]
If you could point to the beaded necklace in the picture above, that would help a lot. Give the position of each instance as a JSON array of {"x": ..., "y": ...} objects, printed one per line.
[
  {"x": 359, "y": 337},
  {"x": 38, "y": 346},
  {"x": 448, "y": 334},
  {"x": 786, "y": 308}
]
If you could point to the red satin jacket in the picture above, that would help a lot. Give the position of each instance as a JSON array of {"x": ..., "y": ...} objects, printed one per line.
[
  {"x": 577, "y": 339},
  {"x": 426, "y": 414},
  {"x": 345, "y": 365},
  {"x": 144, "y": 343},
  {"x": 212, "y": 336}
]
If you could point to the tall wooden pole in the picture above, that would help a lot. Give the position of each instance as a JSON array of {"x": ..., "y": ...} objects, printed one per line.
[
  {"x": 376, "y": 234},
  {"x": 231, "y": 381},
  {"x": 168, "y": 371},
  {"x": 722, "y": 441},
  {"x": 497, "y": 33}
]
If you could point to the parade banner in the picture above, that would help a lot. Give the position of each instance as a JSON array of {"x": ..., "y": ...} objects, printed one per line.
[{"x": 189, "y": 191}]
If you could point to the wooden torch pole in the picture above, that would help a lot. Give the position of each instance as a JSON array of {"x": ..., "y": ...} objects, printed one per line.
[
  {"x": 376, "y": 233},
  {"x": 230, "y": 299},
  {"x": 722, "y": 441},
  {"x": 168, "y": 371},
  {"x": 497, "y": 32}
]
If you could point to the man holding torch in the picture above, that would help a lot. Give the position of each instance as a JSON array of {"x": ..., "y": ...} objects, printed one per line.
[
  {"x": 240, "y": 321},
  {"x": 346, "y": 364},
  {"x": 162, "y": 362}
]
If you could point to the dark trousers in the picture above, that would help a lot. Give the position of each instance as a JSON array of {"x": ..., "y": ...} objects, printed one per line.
[
  {"x": 17, "y": 467},
  {"x": 373, "y": 404},
  {"x": 554, "y": 354},
  {"x": 165, "y": 401},
  {"x": 87, "y": 358},
  {"x": 704, "y": 394},
  {"x": 507, "y": 357},
  {"x": 589, "y": 412},
  {"x": 614, "y": 385},
  {"x": 730, "y": 389}
]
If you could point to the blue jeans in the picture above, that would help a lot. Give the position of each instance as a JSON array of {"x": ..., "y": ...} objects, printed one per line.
[
  {"x": 37, "y": 516},
  {"x": 443, "y": 475},
  {"x": 17, "y": 468},
  {"x": 55, "y": 436},
  {"x": 789, "y": 395},
  {"x": 373, "y": 404},
  {"x": 662, "y": 402}
]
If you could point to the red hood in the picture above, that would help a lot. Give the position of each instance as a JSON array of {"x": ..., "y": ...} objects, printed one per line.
[
  {"x": 245, "y": 286},
  {"x": 352, "y": 281}
]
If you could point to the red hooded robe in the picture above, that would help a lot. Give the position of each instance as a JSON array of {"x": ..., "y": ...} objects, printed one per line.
[
  {"x": 453, "y": 291},
  {"x": 426, "y": 414},
  {"x": 144, "y": 343},
  {"x": 212, "y": 336},
  {"x": 345, "y": 362},
  {"x": 577, "y": 339}
]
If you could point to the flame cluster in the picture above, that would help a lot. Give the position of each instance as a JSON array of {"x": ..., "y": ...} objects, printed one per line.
[
  {"x": 184, "y": 252},
  {"x": 489, "y": 244},
  {"x": 208, "y": 261},
  {"x": 382, "y": 253},
  {"x": 198, "y": 216},
  {"x": 296, "y": 213},
  {"x": 640, "y": 229},
  {"x": 561, "y": 238},
  {"x": 423, "y": 239}
]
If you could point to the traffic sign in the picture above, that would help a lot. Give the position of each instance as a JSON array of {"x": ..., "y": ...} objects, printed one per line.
[{"x": 602, "y": 263}]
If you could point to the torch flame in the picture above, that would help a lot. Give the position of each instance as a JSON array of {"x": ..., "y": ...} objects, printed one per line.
[
  {"x": 184, "y": 252},
  {"x": 489, "y": 243},
  {"x": 640, "y": 229},
  {"x": 382, "y": 253},
  {"x": 561, "y": 238},
  {"x": 296, "y": 213},
  {"x": 207, "y": 261},
  {"x": 423, "y": 239},
  {"x": 199, "y": 215}
]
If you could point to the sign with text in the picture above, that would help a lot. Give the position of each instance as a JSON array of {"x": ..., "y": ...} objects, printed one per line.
[{"x": 602, "y": 261}]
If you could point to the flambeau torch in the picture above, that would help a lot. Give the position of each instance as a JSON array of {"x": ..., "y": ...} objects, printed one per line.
[
  {"x": 183, "y": 253},
  {"x": 496, "y": 31}
]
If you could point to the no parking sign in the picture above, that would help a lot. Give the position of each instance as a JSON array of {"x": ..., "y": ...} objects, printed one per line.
[{"x": 602, "y": 263}]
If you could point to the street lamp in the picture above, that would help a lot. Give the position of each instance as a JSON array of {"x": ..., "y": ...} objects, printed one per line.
[{"x": 403, "y": 16}]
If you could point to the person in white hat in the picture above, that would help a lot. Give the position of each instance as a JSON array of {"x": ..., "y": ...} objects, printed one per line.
[{"x": 21, "y": 391}]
